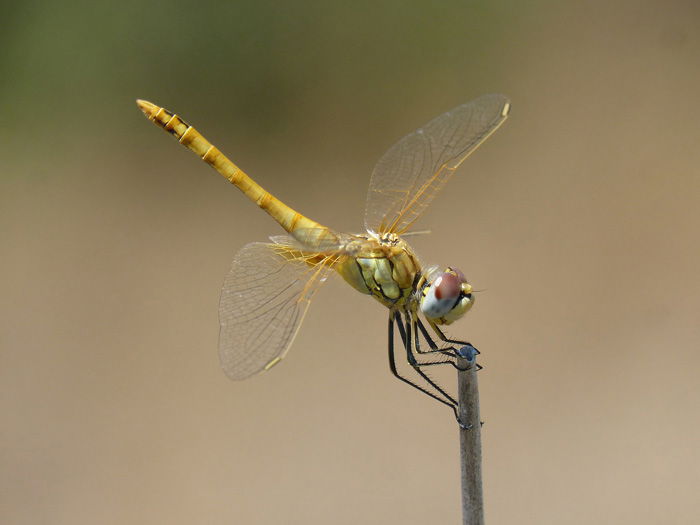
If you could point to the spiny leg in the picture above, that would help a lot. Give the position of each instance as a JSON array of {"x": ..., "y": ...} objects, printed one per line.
[
  {"x": 392, "y": 364},
  {"x": 405, "y": 336},
  {"x": 450, "y": 353},
  {"x": 414, "y": 362},
  {"x": 467, "y": 352},
  {"x": 466, "y": 347},
  {"x": 464, "y": 352},
  {"x": 441, "y": 335}
]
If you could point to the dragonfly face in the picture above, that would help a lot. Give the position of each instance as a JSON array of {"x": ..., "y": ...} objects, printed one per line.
[
  {"x": 446, "y": 296},
  {"x": 270, "y": 285}
]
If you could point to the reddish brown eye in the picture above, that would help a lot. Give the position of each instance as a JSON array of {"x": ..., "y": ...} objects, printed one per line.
[
  {"x": 447, "y": 286},
  {"x": 459, "y": 274}
]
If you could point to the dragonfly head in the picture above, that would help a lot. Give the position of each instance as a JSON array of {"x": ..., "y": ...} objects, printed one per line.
[{"x": 446, "y": 296}]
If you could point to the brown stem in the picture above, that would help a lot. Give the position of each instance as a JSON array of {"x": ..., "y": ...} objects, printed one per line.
[{"x": 470, "y": 445}]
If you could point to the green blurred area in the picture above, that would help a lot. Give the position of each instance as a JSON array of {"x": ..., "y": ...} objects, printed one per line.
[{"x": 263, "y": 62}]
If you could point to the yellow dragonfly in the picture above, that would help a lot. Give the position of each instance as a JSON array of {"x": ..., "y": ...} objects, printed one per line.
[{"x": 270, "y": 285}]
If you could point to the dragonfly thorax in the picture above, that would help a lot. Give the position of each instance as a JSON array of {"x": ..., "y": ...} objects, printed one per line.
[
  {"x": 384, "y": 267},
  {"x": 390, "y": 239}
]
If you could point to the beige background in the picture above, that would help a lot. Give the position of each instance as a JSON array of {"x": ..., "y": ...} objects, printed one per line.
[{"x": 579, "y": 219}]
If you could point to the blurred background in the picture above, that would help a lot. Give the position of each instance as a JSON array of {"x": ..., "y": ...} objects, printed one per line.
[{"x": 579, "y": 219}]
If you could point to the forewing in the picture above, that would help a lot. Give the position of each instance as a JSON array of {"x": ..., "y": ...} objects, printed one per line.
[
  {"x": 321, "y": 241},
  {"x": 412, "y": 172},
  {"x": 263, "y": 302}
]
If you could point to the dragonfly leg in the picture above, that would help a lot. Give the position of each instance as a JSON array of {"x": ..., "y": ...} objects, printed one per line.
[
  {"x": 441, "y": 335},
  {"x": 465, "y": 345},
  {"x": 449, "y": 401},
  {"x": 451, "y": 351},
  {"x": 408, "y": 343}
]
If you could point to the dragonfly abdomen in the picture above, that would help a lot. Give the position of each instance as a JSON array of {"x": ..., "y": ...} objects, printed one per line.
[{"x": 188, "y": 136}]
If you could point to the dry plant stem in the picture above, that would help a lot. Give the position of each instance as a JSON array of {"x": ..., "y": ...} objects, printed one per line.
[{"x": 470, "y": 445}]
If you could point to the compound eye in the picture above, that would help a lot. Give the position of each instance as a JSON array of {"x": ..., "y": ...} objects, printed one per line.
[
  {"x": 448, "y": 286},
  {"x": 458, "y": 273}
]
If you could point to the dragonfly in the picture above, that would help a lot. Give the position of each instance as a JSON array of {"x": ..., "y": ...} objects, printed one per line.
[{"x": 270, "y": 285}]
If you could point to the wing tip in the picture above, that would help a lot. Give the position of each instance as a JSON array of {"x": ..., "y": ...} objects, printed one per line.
[
  {"x": 505, "y": 103},
  {"x": 506, "y": 109},
  {"x": 503, "y": 100}
]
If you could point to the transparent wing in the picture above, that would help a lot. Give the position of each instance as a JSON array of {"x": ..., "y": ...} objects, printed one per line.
[
  {"x": 412, "y": 172},
  {"x": 263, "y": 302},
  {"x": 321, "y": 241}
]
